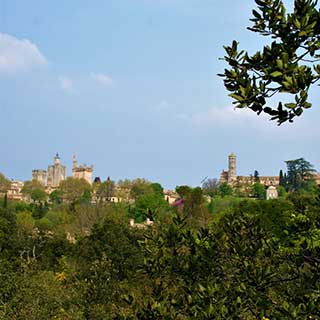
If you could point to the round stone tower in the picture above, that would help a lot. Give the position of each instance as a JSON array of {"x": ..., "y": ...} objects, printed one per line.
[{"x": 232, "y": 173}]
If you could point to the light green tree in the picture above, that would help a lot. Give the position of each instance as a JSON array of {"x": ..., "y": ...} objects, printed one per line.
[
  {"x": 140, "y": 187},
  {"x": 225, "y": 189},
  {"x": 150, "y": 203},
  {"x": 73, "y": 190},
  {"x": 34, "y": 190},
  {"x": 258, "y": 190},
  {"x": 26, "y": 221},
  {"x": 122, "y": 190}
]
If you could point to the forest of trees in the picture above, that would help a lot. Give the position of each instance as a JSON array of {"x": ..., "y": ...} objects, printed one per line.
[{"x": 216, "y": 255}]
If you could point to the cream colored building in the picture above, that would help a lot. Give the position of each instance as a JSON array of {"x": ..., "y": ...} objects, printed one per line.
[
  {"x": 14, "y": 193},
  {"x": 56, "y": 173},
  {"x": 40, "y": 175},
  {"x": 82, "y": 171},
  {"x": 170, "y": 196}
]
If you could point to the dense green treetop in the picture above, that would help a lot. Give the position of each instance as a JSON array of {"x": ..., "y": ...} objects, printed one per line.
[
  {"x": 157, "y": 189},
  {"x": 35, "y": 190},
  {"x": 300, "y": 175},
  {"x": 74, "y": 189},
  {"x": 55, "y": 196},
  {"x": 149, "y": 201},
  {"x": 140, "y": 187},
  {"x": 258, "y": 190},
  {"x": 194, "y": 206},
  {"x": 30, "y": 186},
  {"x": 225, "y": 189},
  {"x": 106, "y": 190}
]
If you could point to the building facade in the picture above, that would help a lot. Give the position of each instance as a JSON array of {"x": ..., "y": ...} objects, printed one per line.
[
  {"x": 82, "y": 171},
  {"x": 40, "y": 175},
  {"x": 56, "y": 173},
  {"x": 231, "y": 177},
  {"x": 15, "y": 191}
]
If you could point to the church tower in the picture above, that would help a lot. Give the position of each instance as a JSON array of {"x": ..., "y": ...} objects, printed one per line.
[
  {"x": 232, "y": 173},
  {"x": 56, "y": 173},
  {"x": 74, "y": 164},
  {"x": 57, "y": 160}
]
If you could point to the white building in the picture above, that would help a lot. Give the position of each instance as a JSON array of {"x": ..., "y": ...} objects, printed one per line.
[{"x": 272, "y": 193}]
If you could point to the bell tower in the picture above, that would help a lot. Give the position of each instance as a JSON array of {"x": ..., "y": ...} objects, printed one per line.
[
  {"x": 74, "y": 163},
  {"x": 57, "y": 160},
  {"x": 232, "y": 166}
]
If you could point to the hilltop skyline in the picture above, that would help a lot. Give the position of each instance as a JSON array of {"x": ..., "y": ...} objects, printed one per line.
[
  {"x": 132, "y": 87},
  {"x": 38, "y": 173}
]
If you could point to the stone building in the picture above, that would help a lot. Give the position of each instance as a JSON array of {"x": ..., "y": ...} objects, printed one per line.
[
  {"x": 40, "y": 175},
  {"x": 269, "y": 180},
  {"x": 82, "y": 171},
  {"x": 56, "y": 173},
  {"x": 231, "y": 177}
]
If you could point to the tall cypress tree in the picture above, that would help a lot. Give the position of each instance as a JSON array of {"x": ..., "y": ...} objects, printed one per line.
[
  {"x": 282, "y": 181},
  {"x": 5, "y": 201}
]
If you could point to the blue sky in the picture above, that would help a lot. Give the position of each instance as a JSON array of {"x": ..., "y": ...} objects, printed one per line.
[{"x": 131, "y": 87}]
